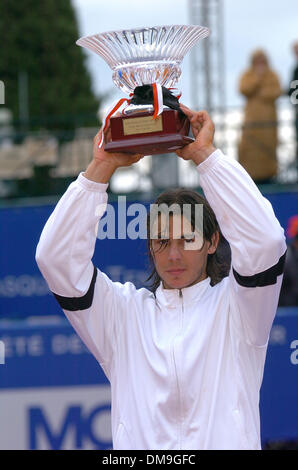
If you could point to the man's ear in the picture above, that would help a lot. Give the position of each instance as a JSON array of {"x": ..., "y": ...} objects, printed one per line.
[{"x": 214, "y": 243}]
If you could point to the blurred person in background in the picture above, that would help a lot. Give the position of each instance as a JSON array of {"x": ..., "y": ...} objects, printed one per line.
[
  {"x": 257, "y": 149},
  {"x": 289, "y": 290},
  {"x": 294, "y": 97}
]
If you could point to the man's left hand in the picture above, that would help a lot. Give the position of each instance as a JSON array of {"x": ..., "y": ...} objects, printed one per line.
[{"x": 203, "y": 132}]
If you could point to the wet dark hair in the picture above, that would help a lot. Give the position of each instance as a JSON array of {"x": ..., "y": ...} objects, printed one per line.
[{"x": 218, "y": 264}]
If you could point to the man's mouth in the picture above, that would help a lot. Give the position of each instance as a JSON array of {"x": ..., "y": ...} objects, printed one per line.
[{"x": 175, "y": 271}]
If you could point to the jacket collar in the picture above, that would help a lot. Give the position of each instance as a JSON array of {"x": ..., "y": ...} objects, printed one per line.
[{"x": 172, "y": 297}]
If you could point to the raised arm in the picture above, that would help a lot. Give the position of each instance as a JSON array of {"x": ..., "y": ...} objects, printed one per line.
[
  {"x": 248, "y": 223},
  {"x": 66, "y": 247}
]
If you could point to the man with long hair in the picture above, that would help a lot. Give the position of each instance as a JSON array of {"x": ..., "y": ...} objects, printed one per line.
[{"x": 185, "y": 359}]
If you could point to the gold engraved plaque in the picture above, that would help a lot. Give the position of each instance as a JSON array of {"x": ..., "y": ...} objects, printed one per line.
[{"x": 142, "y": 125}]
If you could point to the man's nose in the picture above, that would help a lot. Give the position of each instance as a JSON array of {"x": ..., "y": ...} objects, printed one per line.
[{"x": 174, "y": 250}]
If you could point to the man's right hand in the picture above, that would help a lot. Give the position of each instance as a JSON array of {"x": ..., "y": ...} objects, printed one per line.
[
  {"x": 116, "y": 159},
  {"x": 104, "y": 164}
]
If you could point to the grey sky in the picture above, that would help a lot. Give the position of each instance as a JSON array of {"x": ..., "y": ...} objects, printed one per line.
[{"x": 270, "y": 24}]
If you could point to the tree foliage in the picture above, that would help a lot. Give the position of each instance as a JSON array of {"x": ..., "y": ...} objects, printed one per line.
[{"x": 38, "y": 38}]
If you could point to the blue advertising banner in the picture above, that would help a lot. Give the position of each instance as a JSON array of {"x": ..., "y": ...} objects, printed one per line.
[
  {"x": 46, "y": 355},
  {"x": 279, "y": 392},
  {"x": 53, "y": 393}
]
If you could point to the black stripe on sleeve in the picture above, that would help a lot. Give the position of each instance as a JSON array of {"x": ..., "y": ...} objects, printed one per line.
[
  {"x": 265, "y": 278},
  {"x": 78, "y": 303}
]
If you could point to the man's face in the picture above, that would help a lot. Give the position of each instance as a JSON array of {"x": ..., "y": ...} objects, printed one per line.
[{"x": 180, "y": 256}]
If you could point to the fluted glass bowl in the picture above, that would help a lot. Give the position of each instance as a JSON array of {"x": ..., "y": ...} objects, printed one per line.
[{"x": 146, "y": 55}]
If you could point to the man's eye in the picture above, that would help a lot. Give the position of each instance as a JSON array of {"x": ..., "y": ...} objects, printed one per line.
[
  {"x": 160, "y": 242},
  {"x": 189, "y": 240}
]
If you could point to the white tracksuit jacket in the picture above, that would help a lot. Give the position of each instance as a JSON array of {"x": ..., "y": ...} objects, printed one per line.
[{"x": 185, "y": 370}]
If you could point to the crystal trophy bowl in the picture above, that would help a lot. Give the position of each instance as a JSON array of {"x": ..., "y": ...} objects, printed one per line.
[
  {"x": 142, "y": 58},
  {"x": 146, "y": 55}
]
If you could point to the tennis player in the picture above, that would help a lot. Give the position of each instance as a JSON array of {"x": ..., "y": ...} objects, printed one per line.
[{"x": 185, "y": 359}]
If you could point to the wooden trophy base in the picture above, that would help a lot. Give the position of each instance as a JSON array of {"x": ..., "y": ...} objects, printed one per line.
[{"x": 139, "y": 133}]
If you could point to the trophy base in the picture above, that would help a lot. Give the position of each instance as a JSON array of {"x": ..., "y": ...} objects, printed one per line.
[
  {"x": 150, "y": 145},
  {"x": 140, "y": 133}
]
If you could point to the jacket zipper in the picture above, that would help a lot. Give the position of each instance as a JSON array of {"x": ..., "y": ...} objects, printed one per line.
[{"x": 177, "y": 380}]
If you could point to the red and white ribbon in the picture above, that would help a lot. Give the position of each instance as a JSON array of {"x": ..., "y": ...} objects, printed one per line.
[
  {"x": 157, "y": 99},
  {"x": 111, "y": 110}
]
